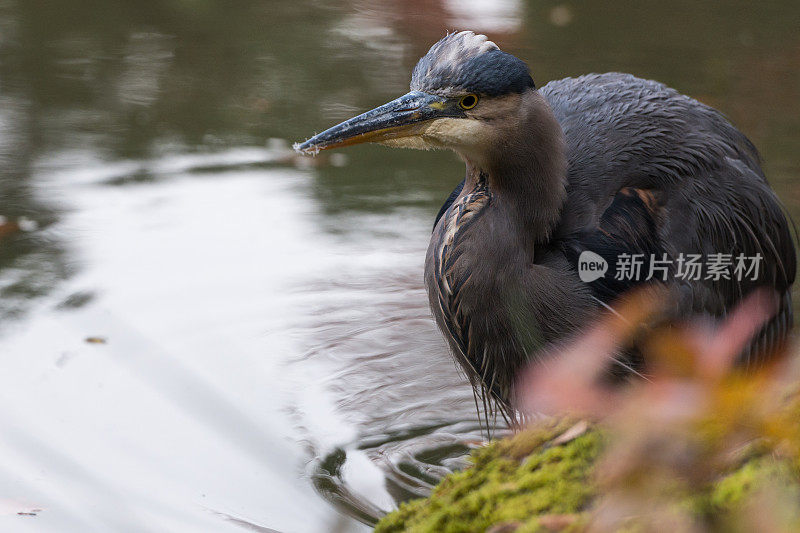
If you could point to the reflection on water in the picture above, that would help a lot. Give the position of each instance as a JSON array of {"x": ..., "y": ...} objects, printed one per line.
[{"x": 268, "y": 345}]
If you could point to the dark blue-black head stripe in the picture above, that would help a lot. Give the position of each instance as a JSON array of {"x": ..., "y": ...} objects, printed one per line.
[{"x": 470, "y": 63}]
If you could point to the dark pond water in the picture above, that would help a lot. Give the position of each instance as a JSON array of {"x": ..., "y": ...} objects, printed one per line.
[{"x": 200, "y": 331}]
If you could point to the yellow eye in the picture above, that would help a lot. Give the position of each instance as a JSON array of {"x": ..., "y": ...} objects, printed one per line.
[{"x": 468, "y": 101}]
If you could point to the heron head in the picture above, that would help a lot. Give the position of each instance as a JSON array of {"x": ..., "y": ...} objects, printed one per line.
[{"x": 464, "y": 93}]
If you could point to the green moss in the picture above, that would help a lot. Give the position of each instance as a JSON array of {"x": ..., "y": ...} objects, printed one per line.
[
  {"x": 527, "y": 483},
  {"x": 731, "y": 491},
  {"x": 733, "y": 488},
  {"x": 519, "y": 481}
]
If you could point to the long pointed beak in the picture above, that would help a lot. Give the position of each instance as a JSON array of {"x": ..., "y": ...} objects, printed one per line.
[{"x": 399, "y": 118}]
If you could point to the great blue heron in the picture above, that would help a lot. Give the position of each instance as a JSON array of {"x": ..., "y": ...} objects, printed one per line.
[{"x": 608, "y": 169}]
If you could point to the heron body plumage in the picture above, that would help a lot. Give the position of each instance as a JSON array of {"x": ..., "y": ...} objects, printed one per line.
[{"x": 606, "y": 163}]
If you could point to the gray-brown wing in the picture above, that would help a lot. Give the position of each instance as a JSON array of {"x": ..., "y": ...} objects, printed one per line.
[{"x": 711, "y": 195}]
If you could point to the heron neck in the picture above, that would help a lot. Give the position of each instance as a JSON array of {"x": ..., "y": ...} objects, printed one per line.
[{"x": 527, "y": 170}]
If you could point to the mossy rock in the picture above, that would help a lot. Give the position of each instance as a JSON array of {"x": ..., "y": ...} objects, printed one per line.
[
  {"x": 542, "y": 479},
  {"x": 514, "y": 484}
]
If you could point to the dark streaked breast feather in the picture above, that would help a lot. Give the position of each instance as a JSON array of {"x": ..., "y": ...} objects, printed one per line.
[{"x": 449, "y": 202}]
